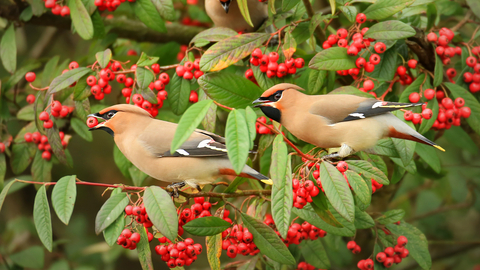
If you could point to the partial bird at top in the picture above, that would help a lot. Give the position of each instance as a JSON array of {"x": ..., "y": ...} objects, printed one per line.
[
  {"x": 146, "y": 141},
  {"x": 226, "y": 13},
  {"x": 350, "y": 122}
]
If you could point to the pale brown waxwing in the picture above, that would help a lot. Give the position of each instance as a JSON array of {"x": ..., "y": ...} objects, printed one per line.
[
  {"x": 227, "y": 14},
  {"x": 350, "y": 122},
  {"x": 145, "y": 141}
]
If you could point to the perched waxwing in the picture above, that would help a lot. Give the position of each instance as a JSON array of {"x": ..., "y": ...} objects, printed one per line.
[
  {"x": 350, "y": 122},
  {"x": 145, "y": 141},
  {"x": 226, "y": 13}
]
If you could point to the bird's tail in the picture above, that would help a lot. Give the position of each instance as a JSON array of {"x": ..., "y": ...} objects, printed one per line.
[
  {"x": 412, "y": 135},
  {"x": 260, "y": 177},
  {"x": 247, "y": 173}
]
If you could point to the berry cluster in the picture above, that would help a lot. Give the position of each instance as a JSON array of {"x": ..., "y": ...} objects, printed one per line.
[
  {"x": 189, "y": 70},
  {"x": 303, "y": 192},
  {"x": 56, "y": 8},
  {"x": 297, "y": 232},
  {"x": 238, "y": 240},
  {"x": 110, "y": 5},
  {"x": 42, "y": 142},
  {"x": 392, "y": 255},
  {"x": 58, "y": 110},
  {"x": 444, "y": 51},
  {"x": 178, "y": 254},
  {"x": 261, "y": 129},
  {"x": 405, "y": 78},
  {"x": 269, "y": 64},
  {"x": 305, "y": 266},
  {"x": 354, "y": 247},
  {"x": 129, "y": 240},
  {"x": 199, "y": 209}
]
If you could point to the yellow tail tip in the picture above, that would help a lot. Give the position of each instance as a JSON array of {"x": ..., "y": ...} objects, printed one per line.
[
  {"x": 268, "y": 182},
  {"x": 439, "y": 148}
]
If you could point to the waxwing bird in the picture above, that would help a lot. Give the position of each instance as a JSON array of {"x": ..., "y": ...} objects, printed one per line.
[
  {"x": 226, "y": 13},
  {"x": 145, "y": 141},
  {"x": 350, "y": 122}
]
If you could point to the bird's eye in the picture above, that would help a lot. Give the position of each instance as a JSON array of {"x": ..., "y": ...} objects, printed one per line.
[
  {"x": 110, "y": 114},
  {"x": 277, "y": 96}
]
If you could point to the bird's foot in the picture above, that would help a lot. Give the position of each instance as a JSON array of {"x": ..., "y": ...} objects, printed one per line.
[
  {"x": 330, "y": 156},
  {"x": 173, "y": 189}
]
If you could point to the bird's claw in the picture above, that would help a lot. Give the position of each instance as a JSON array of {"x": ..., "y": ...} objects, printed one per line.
[{"x": 173, "y": 189}]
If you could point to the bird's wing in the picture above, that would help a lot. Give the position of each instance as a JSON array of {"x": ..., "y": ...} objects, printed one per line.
[
  {"x": 158, "y": 136},
  {"x": 342, "y": 108}
]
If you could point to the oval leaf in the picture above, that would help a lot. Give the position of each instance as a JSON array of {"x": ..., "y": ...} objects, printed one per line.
[
  {"x": 337, "y": 191},
  {"x": 214, "y": 250},
  {"x": 42, "y": 218},
  {"x": 206, "y": 226},
  {"x": 63, "y": 197},
  {"x": 143, "y": 249},
  {"x": 81, "y": 129},
  {"x": 417, "y": 243},
  {"x": 382, "y": 9},
  {"x": 214, "y": 34},
  {"x": 179, "y": 94},
  {"x": 390, "y": 30},
  {"x": 66, "y": 79},
  {"x": 4, "y": 192},
  {"x": 8, "y": 49},
  {"x": 335, "y": 58},
  {"x": 148, "y": 14},
  {"x": 103, "y": 58},
  {"x": 161, "y": 211},
  {"x": 237, "y": 140},
  {"x": 189, "y": 122},
  {"x": 267, "y": 240},
  {"x": 231, "y": 50},
  {"x": 282, "y": 192},
  {"x": 315, "y": 254},
  {"x": 367, "y": 170},
  {"x": 110, "y": 211},
  {"x": 359, "y": 186},
  {"x": 242, "y": 4},
  {"x": 391, "y": 216},
  {"x": 470, "y": 101},
  {"x": 112, "y": 232},
  {"x": 81, "y": 19},
  {"x": 229, "y": 89}
]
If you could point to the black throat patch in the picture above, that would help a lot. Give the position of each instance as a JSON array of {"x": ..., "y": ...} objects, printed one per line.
[
  {"x": 108, "y": 130},
  {"x": 272, "y": 113}
]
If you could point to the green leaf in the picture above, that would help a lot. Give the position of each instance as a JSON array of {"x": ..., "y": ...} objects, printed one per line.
[
  {"x": 103, "y": 58},
  {"x": 427, "y": 124},
  {"x": 337, "y": 191},
  {"x": 137, "y": 176},
  {"x": 390, "y": 30},
  {"x": 143, "y": 249},
  {"x": 359, "y": 186},
  {"x": 4, "y": 192},
  {"x": 316, "y": 81},
  {"x": 350, "y": 12},
  {"x": 121, "y": 161},
  {"x": 27, "y": 114},
  {"x": 112, "y": 232},
  {"x": 165, "y": 9},
  {"x": 237, "y": 140},
  {"x": 146, "y": 11},
  {"x": 41, "y": 168},
  {"x": 98, "y": 26},
  {"x": 242, "y": 4},
  {"x": 214, "y": 250},
  {"x": 387, "y": 67},
  {"x": 458, "y": 137},
  {"x": 179, "y": 94},
  {"x": 363, "y": 220},
  {"x": 309, "y": 214},
  {"x": 81, "y": 129},
  {"x": 315, "y": 254},
  {"x": 146, "y": 60},
  {"x": 63, "y": 197},
  {"x": 412, "y": 88},
  {"x": 214, "y": 34},
  {"x": 438, "y": 73},
  {"x": 417, "y": 243},
  {"x": 56, "y": 144},
  {"x": 474, "y": 7},
  {"x": 26, "y": 14},
  {"x": 368, "y": 170},
  {"x": 267, "y": 240},
  {"x": 22, "y": 155},
  {"x": 161, "y": 211},
  {"x": 382, "y": 9},
  {"x": 282, "y": 192},
  {"x": 320, "y": 205},
  {"x": 470, "y": 101},
  {"x": 8, "y": 49},
  {"x": 189, "y": 122},
  {"x": 81, "y": 90},
  {"x": 32, "y": 257},
  {"x": 378, "y": 265},
  {"x": 81, "y": 19},
  {"x": 335, "y": 58},
  {"x": 231, "y": 50},
  {"x": 384, "y": 147},
  {"x": 289, "y": 4},
  {"x": 391, "y": 216},
  {"x": 143, "y": 77},
  {"x": 229, "y": 89},
  {"x": 110, "y": 211},
  {"x": 206, "y": 226},
  {"x": 3, "y": 169},
  {"x": 405, "y": 149},
  {"x": 68, "y": 78},
  {"x": 42, "y": 218},
  {"x": 376, "y": 161},
  {"x": 430, "y": 156},
  {"x": 251, "y": 118},
  {"x": 289, "y": 45},
  {"x": 49, "y": 70}
]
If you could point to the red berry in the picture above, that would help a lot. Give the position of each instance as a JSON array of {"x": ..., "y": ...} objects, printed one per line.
[
  {"x": 273, "y": 57},
  {"x": 427, "y": 113},
  {"x": 342, "y": 33},
  {"x": 381, "y": 257},
  {"x": 352, "y": 51},
  {"x": 342, "y": 166},
  {"x": 388, "y": 262},
  {"x": 92, "y": 121},
  {"x": 360, "y": 62},
  {"x": 351, "y": 245},
  {"x": 44, "y": 116},
  {"x": 429, "y": 94},
  {"x": 193, "y": 97},
  {"x": 447, "y": 103},
  {"x": 28, "y": 137},
  {"x": 451, "y": 72},
  {"x": 369, "y": 67},
  {"x": 46, "y": 155},
  {"x": 368, "y": 85},
  {"x": 135, "y": 237},
  {"x": 30, "y": 76},
  {"x": 73, "y": 65},
  {"x": 137, "y": 99},
  {"x": 361, "y": 18},
  {"x": 188, "y": 75},
  {"x": 197, "y": 74},
  {"x": 402, "y": 240},
  {"x": 188, "y": 66},
  {"x": 380, "y": 47},
  {"x": 408, "y": 116},
  {"x": 401, "y": 70},
  {"x": 412, "y": 63},
  {"x": 257, "y": 53},
  {"x": 374, "y": 59},
  {"x": 432, "y": 37},
  {"x": 443, "y": 41},
  {"x": 326, "y": 45},
  {"x": 471, "y": 61},
  {"x": 357, "y": 249},
  {"x": 389, "y": 251},
  {"x": 180, "y": 71},
  {"x": 164, "y": 78},
  {"x": 342, "y": 42},
  {"x": 414, "y": 97},
  {"x": 249, "y": 74},
  {"x": 465, "y": 112},
  {"x": 459, "y": 102},
  {"x": 368, "y": 264}
]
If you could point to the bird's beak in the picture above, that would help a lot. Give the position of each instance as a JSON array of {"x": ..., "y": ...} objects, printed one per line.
[
  {"x": 99, "y": 117},
  {"x": 260, "y": 102},
  {"x": 225, "y": 5}
]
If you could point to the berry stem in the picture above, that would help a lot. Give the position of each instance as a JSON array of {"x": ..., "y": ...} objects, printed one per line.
[
  {"x": 79, "y": 182},
  {"x": 389, "y": 88},
  {"x": 38, "y": 89}
]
